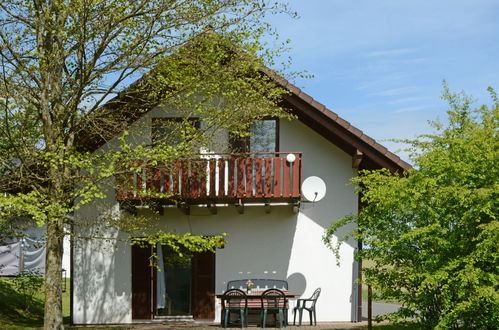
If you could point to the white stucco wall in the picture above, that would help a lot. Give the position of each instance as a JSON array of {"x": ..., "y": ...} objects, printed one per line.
[
  {"x": 309, "y": 255},
  {"x": 279, "y": 245}
]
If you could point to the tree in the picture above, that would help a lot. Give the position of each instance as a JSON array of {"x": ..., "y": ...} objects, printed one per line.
[
  {"x": 433, "y": 232},
  {"x": 61, "y": 60}
]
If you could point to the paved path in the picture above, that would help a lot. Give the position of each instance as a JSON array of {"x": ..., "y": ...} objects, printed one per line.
[
  {"x": 211, "y": 326},
  {"x": 378, "y": 309}
]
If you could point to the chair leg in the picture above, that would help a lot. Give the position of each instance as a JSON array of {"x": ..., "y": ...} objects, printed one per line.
[
  {"x": 226, "y": 316},
  {"x": 310, "y": 315},
  {"x": 294, "y": 316},
  {"x": 241, "y": 316},
  {"x": 315, "y": 317},
  {"x": 300, "y": 316},
  {"x": 264, "y": 318}
]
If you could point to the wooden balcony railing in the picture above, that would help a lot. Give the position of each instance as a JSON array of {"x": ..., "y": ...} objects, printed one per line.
[{"x": 217, "y": 176}]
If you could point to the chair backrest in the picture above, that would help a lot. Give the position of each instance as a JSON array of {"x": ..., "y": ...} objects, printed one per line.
[
  {"x": 234, "y": 298},
  {"x": 273, "y": 298},
  {"x": 315, "y": 296},
  {"x": 265, "y": 283}
]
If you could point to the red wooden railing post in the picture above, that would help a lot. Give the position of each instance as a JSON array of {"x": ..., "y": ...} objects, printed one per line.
[
  {"x": 241, "y": 163},
  {"x": 277, "y": 177},
  {"x": 249, "y": 178},
  {"x": 221, "y": 177},
  {"x": 185, "y": 189},
  {"x": 258, "y": 177},
  {"x": 295, "y": 191},
  {"x": 212, "y": 165},
  {"x": 166, "y": 182},
  {"x": 268, "y": 177},
  {"x": 202, "y": 177},
  {"x": 231, "y": 179},
  {"x": 285, "y": 179}
]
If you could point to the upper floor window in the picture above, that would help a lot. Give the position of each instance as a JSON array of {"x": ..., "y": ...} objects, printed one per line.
[
  {"x": 264, "y": 137},
  {"x": 171, "y": 131}
]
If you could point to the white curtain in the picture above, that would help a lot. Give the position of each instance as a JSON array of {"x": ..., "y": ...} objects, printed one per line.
[
  {"x": 34, "y": 255},
  {"x": 10, "y": 257},
  {"x": 160, "y": 279}
]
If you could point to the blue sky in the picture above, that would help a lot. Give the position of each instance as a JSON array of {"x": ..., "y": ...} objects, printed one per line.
[{"x": 380, "y": 64}]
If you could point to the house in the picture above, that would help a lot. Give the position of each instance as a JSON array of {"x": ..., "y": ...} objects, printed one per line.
[{"x": 257, "y": 200}]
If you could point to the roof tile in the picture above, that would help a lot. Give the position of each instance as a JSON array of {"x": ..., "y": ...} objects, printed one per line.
[
  {"x": 369, "y": 140},
  {"x": 305, "y": 97},
  {"x": 319, "y": 106},
  {"x": 404, "y": 165},
  {"x": 343, "y": 122},
  {"x": 293, "y": 89},
  {"x": 355, "y": 131},
  {"x": 331, "y": 114},
  {"x": 383, "y": 150},
  {"x": 393, "y": 157}
]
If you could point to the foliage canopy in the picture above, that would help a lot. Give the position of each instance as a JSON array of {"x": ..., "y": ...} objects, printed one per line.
[{"x": 433, "y": 233}]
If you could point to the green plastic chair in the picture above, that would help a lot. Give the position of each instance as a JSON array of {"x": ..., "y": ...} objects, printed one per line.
[
  {"x": 234, "y": 301},
  {"x": 301, "y": 304},
  {"x": 273, "y": 301}
]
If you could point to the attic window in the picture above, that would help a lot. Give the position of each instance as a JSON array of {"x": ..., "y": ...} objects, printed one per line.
[
  {"x": 169, "y": 130},
  {"x": 264, "y": 137}
]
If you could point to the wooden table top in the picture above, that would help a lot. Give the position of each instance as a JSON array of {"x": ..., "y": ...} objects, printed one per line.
[{"x": 258, "y": 294}]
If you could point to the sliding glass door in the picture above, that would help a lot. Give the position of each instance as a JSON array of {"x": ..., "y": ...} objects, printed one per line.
[
  {"x": 185, "y": 285},
  {"x": 173, "y": 283}
]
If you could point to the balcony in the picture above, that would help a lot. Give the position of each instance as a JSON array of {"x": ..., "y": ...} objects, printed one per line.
[{"x": 216, "y": 179}]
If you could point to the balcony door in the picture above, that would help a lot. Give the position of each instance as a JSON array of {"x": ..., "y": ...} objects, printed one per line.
[{"x": 178, "y": 286}]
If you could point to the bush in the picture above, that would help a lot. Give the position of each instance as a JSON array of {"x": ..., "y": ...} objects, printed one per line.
[
  {"x": 433, "y": 233},
  {"x": 28, "y": 284}
]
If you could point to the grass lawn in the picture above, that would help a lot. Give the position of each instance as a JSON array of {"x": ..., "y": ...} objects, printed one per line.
[
  {"x": 17, "y": 311},
  {"x": 15, "y": 315}
]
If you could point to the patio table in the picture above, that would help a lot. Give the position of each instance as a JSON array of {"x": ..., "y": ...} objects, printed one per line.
[
  {"x": 255, "y": 295},
  {"x": 254, "y": 301}
]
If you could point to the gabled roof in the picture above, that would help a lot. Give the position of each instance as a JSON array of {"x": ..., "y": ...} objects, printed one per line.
[
  {"x": 369, "y": 153},
  {"x": 339, "y": 131}
]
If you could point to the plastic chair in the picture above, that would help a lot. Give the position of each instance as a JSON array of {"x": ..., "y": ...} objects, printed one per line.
[
  {"x": 301, "y": 304},
  {"x": 234, "y": 301},
  {"x": 273, "y": 301}
]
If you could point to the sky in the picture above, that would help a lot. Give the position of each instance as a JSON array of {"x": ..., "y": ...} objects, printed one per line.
[{"x": 379, "y": 64}]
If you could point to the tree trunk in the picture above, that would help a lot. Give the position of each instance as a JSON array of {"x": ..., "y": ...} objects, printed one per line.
[{"x": 53, "y": 277}]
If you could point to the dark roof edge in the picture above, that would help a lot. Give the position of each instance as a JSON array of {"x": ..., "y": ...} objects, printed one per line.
[{"x": 366, "y": 144}]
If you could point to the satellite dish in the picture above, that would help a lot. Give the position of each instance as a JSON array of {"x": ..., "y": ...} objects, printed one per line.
[{"x": 313, "y": 189}]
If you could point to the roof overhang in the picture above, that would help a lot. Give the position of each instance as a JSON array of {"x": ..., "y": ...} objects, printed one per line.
[{"x": 366, "y": 152}]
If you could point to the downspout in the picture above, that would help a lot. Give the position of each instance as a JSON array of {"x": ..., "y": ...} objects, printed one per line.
[
  {"x": 71, "y": 271},
  {"x": 359, "y": 285},
  {"x": 356, "y": 162}
]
